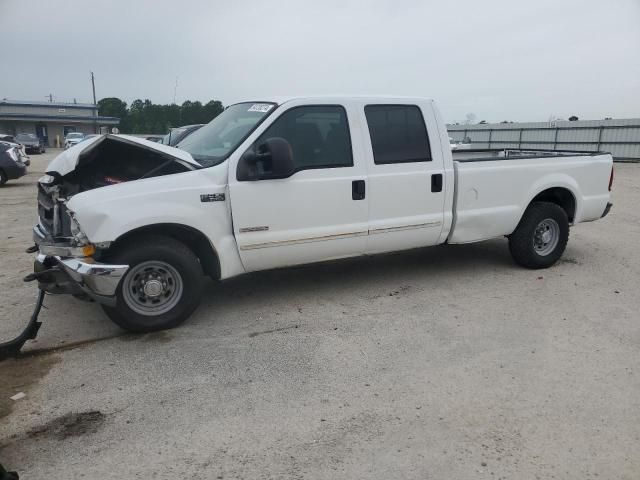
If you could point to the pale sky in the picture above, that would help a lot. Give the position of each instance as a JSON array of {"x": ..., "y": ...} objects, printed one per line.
[{"x": 518, "y": 60}]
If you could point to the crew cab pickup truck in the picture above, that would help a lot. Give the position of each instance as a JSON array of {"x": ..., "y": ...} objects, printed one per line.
[{"x": 135, "y": 225}]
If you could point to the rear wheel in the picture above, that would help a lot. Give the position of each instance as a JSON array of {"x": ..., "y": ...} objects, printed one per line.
[
  {"x": 3, "y": 177},
  {"x": 541, "y": 236},
  {"x": 162, "y": 287}
]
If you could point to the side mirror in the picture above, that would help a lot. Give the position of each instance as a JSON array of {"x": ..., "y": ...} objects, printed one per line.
[{"x": 270, "y": 160}]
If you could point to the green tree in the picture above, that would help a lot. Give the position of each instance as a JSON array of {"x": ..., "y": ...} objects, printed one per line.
[
  {"x": 114, "y": 107},
  {"x": 212, "y": 109},
  {"x": 144, "y": 116}
]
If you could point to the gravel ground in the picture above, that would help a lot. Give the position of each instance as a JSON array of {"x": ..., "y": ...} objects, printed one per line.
[{"x": 442, "y": 363}]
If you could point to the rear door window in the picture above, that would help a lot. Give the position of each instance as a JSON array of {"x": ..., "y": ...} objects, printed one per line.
[{"x": 398, "y": 134}]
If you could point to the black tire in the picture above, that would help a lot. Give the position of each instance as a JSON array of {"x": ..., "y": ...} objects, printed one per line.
[
  {"x": 526, "y": 244},
  {"x": 3, "y": 177},
  {"x": 163, "y": 251}
]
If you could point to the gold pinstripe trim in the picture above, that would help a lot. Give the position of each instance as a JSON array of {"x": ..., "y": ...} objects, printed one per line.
[
  {"x": 405, "y": 227},
  {"x": 281, "y": 243},
  {"x": 302, "y": 240}
]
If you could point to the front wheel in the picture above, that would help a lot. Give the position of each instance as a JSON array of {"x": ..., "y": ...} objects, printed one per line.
[
  {"x": 541, "y": 236},
  {"x": 162, "y": 287}
]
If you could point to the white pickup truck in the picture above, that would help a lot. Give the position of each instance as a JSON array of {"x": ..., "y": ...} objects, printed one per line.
[{"x": 135, "y": 225}]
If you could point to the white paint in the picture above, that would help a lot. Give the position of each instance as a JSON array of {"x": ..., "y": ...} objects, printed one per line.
[
  {"x": 311, "y": 217},
  {"x": 67, "y": 161},
  {"x": 493, "y": 195}
]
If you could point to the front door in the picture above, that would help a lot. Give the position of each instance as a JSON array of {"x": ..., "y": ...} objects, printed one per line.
[
  {"x": 406, "y": 182},
  {"x": 320, "y": 211}
]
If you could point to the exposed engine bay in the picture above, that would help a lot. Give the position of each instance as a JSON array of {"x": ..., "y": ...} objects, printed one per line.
[
  {"x": 114, "y": 160},
  {"x": 108, "y": 160}
]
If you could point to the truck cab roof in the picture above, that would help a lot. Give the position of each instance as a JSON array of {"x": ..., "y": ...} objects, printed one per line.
[{"x": 281, "y": 100}]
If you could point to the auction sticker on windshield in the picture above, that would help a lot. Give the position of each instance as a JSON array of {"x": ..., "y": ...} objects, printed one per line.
[{"x": 260, "y": 107}]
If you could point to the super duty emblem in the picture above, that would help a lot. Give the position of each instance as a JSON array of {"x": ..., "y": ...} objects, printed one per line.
[{"x": 212, "y": 197}]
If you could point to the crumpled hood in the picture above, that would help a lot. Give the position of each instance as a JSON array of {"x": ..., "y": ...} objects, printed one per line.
[{"x": 67, "y": 161}]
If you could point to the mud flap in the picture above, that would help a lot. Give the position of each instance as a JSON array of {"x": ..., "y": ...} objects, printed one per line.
[{"x": 12, "y": 347}]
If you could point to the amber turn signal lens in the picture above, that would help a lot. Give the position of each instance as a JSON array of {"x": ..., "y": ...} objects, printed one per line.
[{"x": 88, "y": 250}]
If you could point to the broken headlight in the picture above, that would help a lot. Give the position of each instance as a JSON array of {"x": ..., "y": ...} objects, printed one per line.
[
  {"x": 47, "y": 179},
  {"x": 78, "y": 235}
]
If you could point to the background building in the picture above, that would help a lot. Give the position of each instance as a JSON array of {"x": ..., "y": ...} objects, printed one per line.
[
  {"x": 620, "y": 137},
  {"x": 52, "y": 121}
]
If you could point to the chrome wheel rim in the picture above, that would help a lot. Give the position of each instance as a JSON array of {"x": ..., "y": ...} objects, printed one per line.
[
  {"x": 546, "y": 236},
  {"x": 152, "y": 288}
]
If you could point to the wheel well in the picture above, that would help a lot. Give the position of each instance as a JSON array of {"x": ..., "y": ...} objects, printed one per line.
[
  {"x": 561, "y": 197},
  {"x": 192, "y": 238}
]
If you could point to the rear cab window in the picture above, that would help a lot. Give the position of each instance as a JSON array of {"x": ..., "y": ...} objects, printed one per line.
[{"x": 398, "y": 134}]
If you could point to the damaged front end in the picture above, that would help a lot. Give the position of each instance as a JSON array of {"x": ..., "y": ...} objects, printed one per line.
[{"x": 67, "y": 262}]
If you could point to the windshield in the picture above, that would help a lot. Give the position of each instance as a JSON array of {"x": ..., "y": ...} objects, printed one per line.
[
  {"x": 75, "y": 135},
  {"x": 26, "y": 136},
  {"x": 214, "y": 142}
]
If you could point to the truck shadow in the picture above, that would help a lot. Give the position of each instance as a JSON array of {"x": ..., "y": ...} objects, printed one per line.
[
  {"x": 343, "y": 281},
  {"x": 390, "y": 273}
]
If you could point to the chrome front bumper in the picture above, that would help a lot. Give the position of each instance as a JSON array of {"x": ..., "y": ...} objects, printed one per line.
[{"x": 79, "y": 275}]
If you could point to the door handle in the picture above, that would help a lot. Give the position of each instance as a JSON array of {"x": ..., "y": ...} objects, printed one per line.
[
  {"x": 358, "y": 190},
  {"x": 436, "y": 182}
]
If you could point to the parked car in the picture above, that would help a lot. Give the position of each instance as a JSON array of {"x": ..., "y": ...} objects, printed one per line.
[
  {"x": 12, "y": 162},
  {"x": 265, "y": 185},
  {"x": 73, "y": 138},
  {"x": 20, "y": 150},
  {"x": 176, "y": 135},
  {"x": 31, "y": 142},
  {"x": 88, "y": 137},
  {"x": 461, "y": 145}
]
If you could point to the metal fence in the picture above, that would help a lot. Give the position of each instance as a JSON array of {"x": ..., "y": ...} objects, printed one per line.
[{"x": 621, "y": 138}]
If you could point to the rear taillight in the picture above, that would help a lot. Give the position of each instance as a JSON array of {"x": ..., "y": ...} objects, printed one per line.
[{"x": 611, "y": 179}]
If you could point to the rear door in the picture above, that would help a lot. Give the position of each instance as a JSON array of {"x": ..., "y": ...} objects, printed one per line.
[
  {"x": 405, "y": 180},
  {"x": 320, "y": 211}
]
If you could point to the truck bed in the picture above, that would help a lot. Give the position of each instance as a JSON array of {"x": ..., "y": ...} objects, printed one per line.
[
  {"x": 493, "y": 188},
  {"x": 483, "y": 154}
]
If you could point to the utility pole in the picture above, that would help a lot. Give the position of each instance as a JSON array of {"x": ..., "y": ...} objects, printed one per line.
[
  {"x": 93, "y": 87},
  {"x": 175, "y": 89}
]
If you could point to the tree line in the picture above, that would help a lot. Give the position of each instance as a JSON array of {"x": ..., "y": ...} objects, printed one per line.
[
  {"x": 143, "y": 116},
  {"x": 470, "y": 119}
]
